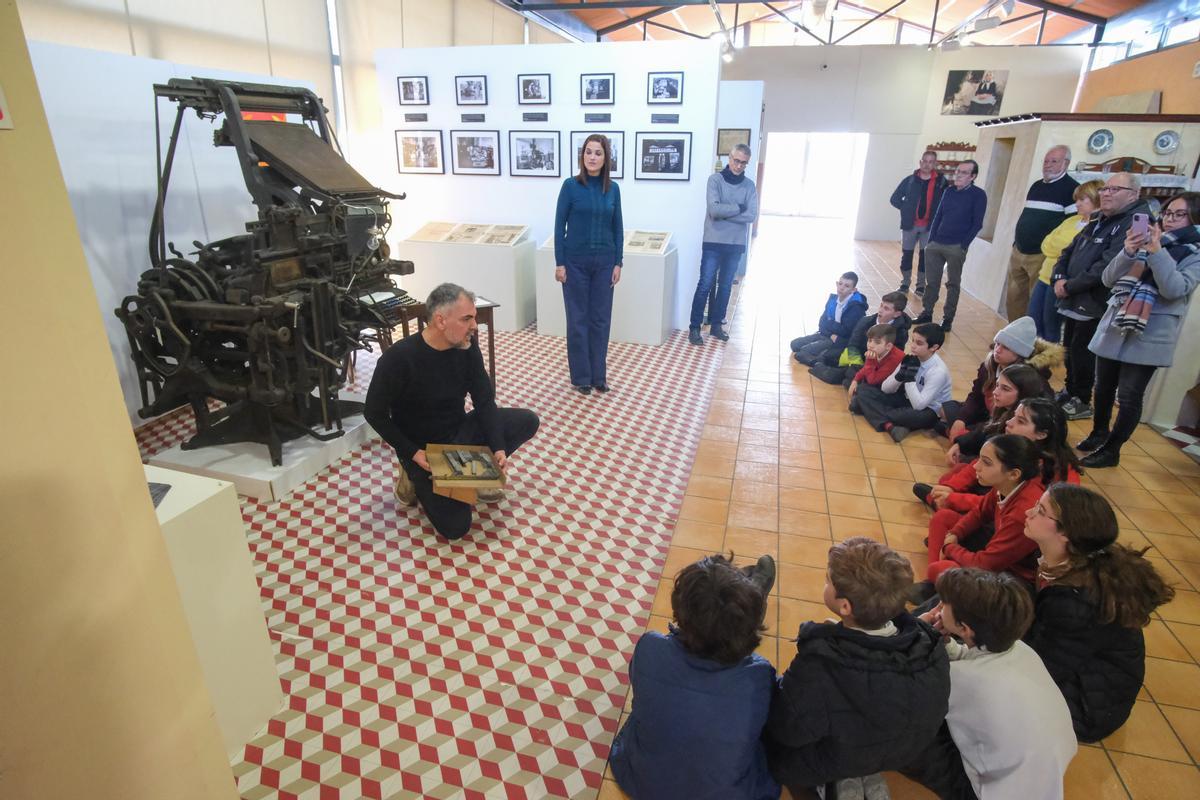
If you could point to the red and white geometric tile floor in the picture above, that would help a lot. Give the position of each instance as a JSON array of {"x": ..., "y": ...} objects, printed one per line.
[{"x": 494, "y": 666}]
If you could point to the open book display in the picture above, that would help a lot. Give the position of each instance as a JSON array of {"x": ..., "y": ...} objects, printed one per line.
[
  {"x": 459, "y": 468},
  {"x": 647, "y": 241},
  {"x": 470, "y": 233}
]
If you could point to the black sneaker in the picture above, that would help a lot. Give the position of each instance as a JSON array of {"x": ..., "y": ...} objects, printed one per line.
[
  {"x": 1094, "y": 441},
  {"x": 1062, "y": 396},
  {"x": 922, "y": 491},
  {"x": 920, "y": 290},
  {"x": 1102, "y": 458},
  {"x": 920, "y": 593},
  {"x": 694, "y": 336},
  {"x": 1077, "y": 409},
  {"x": 583, "y": 389},
  {"x": 898, "y": 433},
  {"x": 717, "y": 332},
  {"x": 947, "y": 325},
  {"x": 922, "y": 319},
  {"x": 762, "y": 574}
]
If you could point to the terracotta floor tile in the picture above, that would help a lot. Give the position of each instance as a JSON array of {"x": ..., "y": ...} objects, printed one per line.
[
  {"x": 680, "y": 557},
  {"x": 845, "y": 527},
  {"x": 1150, "y": 520},
  {"x": 759, "y": 438},
  {"x": 662, "y": 598},
  {"x": 803, "y": 499},
  {"x": 804, "y": 523},
  {"x": 698, "y": 535},
  {"x": 848, "y": 484},
  {"x": 1188, "y": 636},
  {"x": 793, "y": 612},
  {"x": 793, "y": 439},
  {"x": 904, "y": 512},
  {"x": 806, "y": 459},
  {"x": 1157, "y": 780},
  {"x": 713, "y": 449},
  {"x": 908, "y": 538},
  {"x": 891, "y": 470},
  {"x": 1159, "y": 483},
  {"x": 933, "y": 458},
  {"x": 1147, "y": 733},
  {"x": 1179, "y": 574},
  {"x": 1184, "y": 608},
  {"x": 842, "y": 431},
  {"x": 710, "y": 487},
  {"x": 852, "y": 505},
  {"x": 894, "y": 489},
  {"x": 804, "y": 550},
  {"x": 763, "y": 494},
  {"x": 927, "y": 473},
  {"x": 768, "y": 648},
  {"x": 703, "y": 509},
  {"x": 609, "y": 790},
  {"x": 901, "y": 788},
  {"x": 1091, "y": 776},
  {"x": 1143, "y": 464},
  {"x": 1173, "y": 683},
  {"x": 758, "y": 453},
  {"x": 658, "y": 624},
  {"x": 1186, "y": 723},
  {"x": 840, "y": 464},
  {"x": 799, "y": 478},
  {"x": 883, "y": 451},
  {"x": 765, "y": 398},
  {"x": 751, "y": 542},
  {"x": 720, "y": 433},
  {"x": 801, "y": 582},
  {"x": 1162, "y": 643},
  {"x": 1113, "y": 477},
  {"x": 713, "y": 466},
  {"x": 840, "y": 446},
  {"x": 747, "y": 515},
  {"x": 1181, "y": 548},
  {"x": 1128, "y": 499},
  {"x": 756, "y": 471}
]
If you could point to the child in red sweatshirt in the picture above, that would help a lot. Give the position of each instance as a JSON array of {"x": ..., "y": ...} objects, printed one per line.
[{"x": 880, "y": 360}]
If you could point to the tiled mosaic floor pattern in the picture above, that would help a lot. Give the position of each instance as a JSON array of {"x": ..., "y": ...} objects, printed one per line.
[
  {"x": 784, "y": 469},
  {"x": 491, "y": 667}
]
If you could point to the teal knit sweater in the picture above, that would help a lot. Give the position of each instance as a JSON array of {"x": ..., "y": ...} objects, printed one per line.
[{"x": 588, "y": 221}]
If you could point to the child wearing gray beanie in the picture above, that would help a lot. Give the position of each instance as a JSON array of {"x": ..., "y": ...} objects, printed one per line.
[{"x": 1018, "y": 336}]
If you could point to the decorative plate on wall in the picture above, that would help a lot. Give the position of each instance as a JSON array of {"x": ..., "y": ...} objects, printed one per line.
[
  {"x": 1100, "y": 141},
  {"x": 1166, "y": 142}
]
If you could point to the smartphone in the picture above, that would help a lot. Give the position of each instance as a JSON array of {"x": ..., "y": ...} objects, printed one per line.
[{"x": 1141, "y": 224}]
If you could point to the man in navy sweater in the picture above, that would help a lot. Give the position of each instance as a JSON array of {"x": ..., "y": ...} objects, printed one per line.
[
  {"x": 957, "y": 222},
  {"x": 1048, "y": 202}
]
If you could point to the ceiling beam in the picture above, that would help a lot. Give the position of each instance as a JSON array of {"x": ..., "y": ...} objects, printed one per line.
[
  {"x": 1055, "y": 8},
  {"x": 579, "y": 5},
  {"x": 868, "y": 22},
  {"x": 797, "y": 25},
  {"x": 631, "y": 21}
]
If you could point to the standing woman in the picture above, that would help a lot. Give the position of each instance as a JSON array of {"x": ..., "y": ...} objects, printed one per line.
[
  {"x": 588, "y": 239},
  {"x": 1042, "y": 305},
  {"x": 1152, "y": 281}
]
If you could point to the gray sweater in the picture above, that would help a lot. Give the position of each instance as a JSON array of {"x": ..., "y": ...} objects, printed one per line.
[
  {"x": 1155, "y": 346},
  {"x": 725, "y": 222}
]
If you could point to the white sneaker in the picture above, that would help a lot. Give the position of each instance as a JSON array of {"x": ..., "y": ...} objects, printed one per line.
[
  {"x": 406, "y": 493},
  {"x": 875, "y": 787},
  {"x": 490, "y": 495},
  {"x": 851, "y": 789}
]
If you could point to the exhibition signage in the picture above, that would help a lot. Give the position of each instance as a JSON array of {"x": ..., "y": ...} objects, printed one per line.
[
  {"x": 664, "y": 119},
  {"x": 540, "y": 116},
  {"x": 473, "y": 118},
  {"x": 594, "y": 118},
  {"x": 416, "y": 118}
]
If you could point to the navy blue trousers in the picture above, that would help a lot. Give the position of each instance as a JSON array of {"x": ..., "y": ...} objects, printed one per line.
[
  {"x": 588, "y": 297},
  {"x": 719, "y": 266}
]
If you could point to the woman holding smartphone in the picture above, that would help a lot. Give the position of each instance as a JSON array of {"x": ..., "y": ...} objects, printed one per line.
[
  {"x": 1152, "y": 281},
  {"x": 588, "y": 239}
]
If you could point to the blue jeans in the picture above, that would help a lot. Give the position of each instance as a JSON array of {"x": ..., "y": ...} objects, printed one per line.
[
  {"x": 1044, "y": 310},
  {"x": 721, "y": 265},
  {"x": 588, "y": 297}
]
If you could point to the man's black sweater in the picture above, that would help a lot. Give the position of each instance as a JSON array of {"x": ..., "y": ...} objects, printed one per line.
[{"x": 416, "y": 395}]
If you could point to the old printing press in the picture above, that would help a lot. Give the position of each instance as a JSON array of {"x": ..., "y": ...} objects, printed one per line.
[{"x": 265, "y": 322}]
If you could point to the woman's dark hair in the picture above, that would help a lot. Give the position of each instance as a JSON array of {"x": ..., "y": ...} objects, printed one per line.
[
  {"x": 605, "y": 180},
  {"x": 1017, "y": 452},
  {"x": 1125, "y": 587},
  {"x": 995, "y": 605},
  {"x": 1058, "y": 459},
  {"x": 719, "y": 612},
  {"x": 1028, "y": 382},
  {"x": 1192, "y": 203}
]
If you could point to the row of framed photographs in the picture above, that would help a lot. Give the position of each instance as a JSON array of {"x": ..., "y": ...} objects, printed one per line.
[
  {"x": 658, "y": 156},
  {"x": 533, "y": 89}
]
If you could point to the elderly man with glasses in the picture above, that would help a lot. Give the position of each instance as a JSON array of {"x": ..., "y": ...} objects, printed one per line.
[
  {"x": 1082, "y": 295},
  {"x": 732, "y": 206},
  {"x": 1047, "y": 203}
]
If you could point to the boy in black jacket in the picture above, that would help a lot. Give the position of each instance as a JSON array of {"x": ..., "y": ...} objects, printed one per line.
[
  {"x": 841, "y": 365},
  {"x": 842, "y": 312},
  {"x": 865, "y": 694}
]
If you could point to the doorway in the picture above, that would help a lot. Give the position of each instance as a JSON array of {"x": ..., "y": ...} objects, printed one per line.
[{"x": 815, "y": 175}]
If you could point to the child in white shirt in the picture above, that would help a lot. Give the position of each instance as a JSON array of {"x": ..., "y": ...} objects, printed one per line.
[{"x": 926, "y": 383}]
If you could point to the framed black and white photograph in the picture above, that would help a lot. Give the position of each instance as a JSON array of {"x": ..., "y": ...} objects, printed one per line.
[
  {"x": 414, "y": 90},
  {"x": 533, "y": 90},
  {"x": 597, "y": 89},
  {"x": 663, "y": 156},
  {"x": 470, "y": 90},
  {"x": 420, "y": 152},
  {"x": 534, "y": 154},
  {"x": 729, "y": 138},
  {"x": 475, "y": 152},
  {"x": 974, "y": 92},
  {"x": 616, "y": 151},
  {"x": 664, "y": 88}
]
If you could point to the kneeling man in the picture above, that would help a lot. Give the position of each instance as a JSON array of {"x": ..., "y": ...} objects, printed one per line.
[{"x": 417, "y": 396}]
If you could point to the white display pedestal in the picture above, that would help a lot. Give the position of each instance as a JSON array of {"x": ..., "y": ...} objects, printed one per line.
[
  {"x": 502, "y": 274},
  {"x": 206, "y": 541},
  {"x": 642, "y": 305},
  {"x": 248, "y": 465}
]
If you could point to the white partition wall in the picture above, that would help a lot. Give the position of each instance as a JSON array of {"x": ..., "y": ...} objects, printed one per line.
[{"x": 675, "y": 206}]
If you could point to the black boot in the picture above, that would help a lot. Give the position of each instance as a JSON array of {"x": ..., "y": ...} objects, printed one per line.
[
  {"x": 1093, "y": 442},
  {"x": 1104, "y": 457},
  {"x": 906, "y": 259}
]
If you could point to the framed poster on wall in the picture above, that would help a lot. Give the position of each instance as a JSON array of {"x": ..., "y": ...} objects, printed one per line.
[
  {"x": 533, "y": 90},
  {"x": 664, "y": 88},
  {"x": 662, "y": 156},
  {"x": 974, "y": 92},
  {"x": 414, "y": 90},
  {"x": 597, "y": 89},
  {"x": 420, "y": 152},
  {"x": 475, "y": 152},
  {"x": 471, "y": 90},
  {"x": 728, "y": 138},
  {"x": 616, "y": 151},
  {"x": 534, "y": 154}
]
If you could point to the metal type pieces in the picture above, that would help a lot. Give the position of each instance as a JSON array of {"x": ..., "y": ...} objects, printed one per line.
[
  {"x": 265, "y": 323},
  {"x": 470, "y": 465}
]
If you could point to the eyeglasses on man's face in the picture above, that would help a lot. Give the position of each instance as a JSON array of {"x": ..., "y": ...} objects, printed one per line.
[
  {"x": 1111, "y": 189},
  {"x": 741, "y": 162}
]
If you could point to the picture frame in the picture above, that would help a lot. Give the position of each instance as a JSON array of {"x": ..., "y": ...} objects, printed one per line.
[
  {"x": 413, "y": 90},
  {"x": 728, "y": 138},
  {"x": 662, "y": 156},
  {"x": 534, "y": 154},
  {"x": 664, "y": 88},
  {"x": 616, "y": 145},
  {"x": 419, "y": 152},
  {"x": 471, "y": 90},
  {"x": 597, "y": 89},
  {"x": 533, "y": 89},
  {"x": 475, "y": 152}
]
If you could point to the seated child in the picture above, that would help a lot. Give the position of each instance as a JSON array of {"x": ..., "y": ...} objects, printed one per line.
[
  {"x": 882, "y": 358},
  {"x": 840, "y": 365},
  {"x": 1014, "y": 383},
  {"x": 1094, "y": 597},
  {"x": 842, "y": 312},
  {"x": 1037, "y": 419},
  {"x": 1011, "y": 466},
  {"x": 1008, "y": 732},
  {"x": 926, "y": 383},
  {"x": 701, "y": 694},
  {"x": 865, "y": 694},
  {"x": 1015, "y": 343}
]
